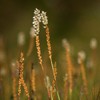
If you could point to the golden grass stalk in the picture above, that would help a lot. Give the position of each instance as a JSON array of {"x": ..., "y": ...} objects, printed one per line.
[
  {"x": 48, "y": 42},
  {"x": 93, "y": 58},
  {"x": 48, "y": 86},
  {"x": 19, "y": 82},
  {"x": 54, "y": 79},
  {"x": 44, "y": 20},
  {"x": 21, "y": 79},
  {"x": 70, "y": 73},
  {"x": 49, "y": 45},
  {"x": 25, "y": 89},
  {"x": 69, "y": 65},
  {"x": 50, "y": 52},
  {"x": 84, "y": 78},
  {"x": 33, "y": 82},
  {"x": 40, "y": 57},
  {"x": 54, "y": 88},
  {"x": 33, "y": 85},
  {"x": 54, "y": 69},
  {"x": 66, "y": 87},
  {"x": 82, "y": 68},
  {"x": 39, "y": 52}
]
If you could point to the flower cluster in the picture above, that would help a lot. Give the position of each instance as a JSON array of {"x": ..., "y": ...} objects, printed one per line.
[
  {"x": 44, "y": 18},
  {"x": 39, "y": 17},
  {"x": 36, "y": 21}
]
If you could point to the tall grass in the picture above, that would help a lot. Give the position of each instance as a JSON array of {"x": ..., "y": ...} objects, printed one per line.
[{"x": 30, "y": 81}]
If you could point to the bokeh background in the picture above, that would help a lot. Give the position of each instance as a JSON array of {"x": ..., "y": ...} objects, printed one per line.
[{"x": 76, "y": 20}]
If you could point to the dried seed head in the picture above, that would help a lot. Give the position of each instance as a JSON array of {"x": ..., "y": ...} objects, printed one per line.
[
  {"x": 81, "y": 56},
  {"x": 36, "y": 25},
  {"x": 93, "y": 43},
  {"x": 36, "y": 11},
  {"x": 38, "y": 17},
  {"x": 66, "y": 44},
  {"x": 21, "y": 39},
  {"x": 36, "y": 21},
  {"x": 44, "y": 18}
]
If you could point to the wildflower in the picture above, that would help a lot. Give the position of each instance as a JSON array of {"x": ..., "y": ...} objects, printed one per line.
[
  {"x": 36, "y": 21},
  {"x": 44, "y": 18},
  {"x": 37, "y": 14}
]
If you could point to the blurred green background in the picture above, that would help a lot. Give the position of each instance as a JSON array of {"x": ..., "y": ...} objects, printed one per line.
[
  {"x": 76, "y": 20},
  {"x": 67, "y": 18}
]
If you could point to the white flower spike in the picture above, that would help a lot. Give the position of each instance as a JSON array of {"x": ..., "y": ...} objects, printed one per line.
[{"x": 39, "y": 17}]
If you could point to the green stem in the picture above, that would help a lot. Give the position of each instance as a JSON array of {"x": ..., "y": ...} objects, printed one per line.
[
  {"x": 58, "y": 95},
  {"x": 51, "y": 97},
  {"x": 51, "y": 63}
]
